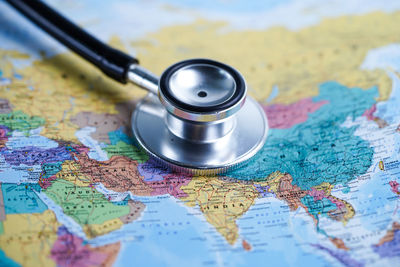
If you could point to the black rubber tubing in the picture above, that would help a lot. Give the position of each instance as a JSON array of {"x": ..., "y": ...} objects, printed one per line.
[{"x": 112, "y": 62}]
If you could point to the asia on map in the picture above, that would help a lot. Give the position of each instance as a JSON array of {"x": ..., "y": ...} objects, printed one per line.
[{"x": 77, "y": 190}]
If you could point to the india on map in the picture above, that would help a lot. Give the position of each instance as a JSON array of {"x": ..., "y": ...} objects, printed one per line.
[{"x": 77, "y": 190}]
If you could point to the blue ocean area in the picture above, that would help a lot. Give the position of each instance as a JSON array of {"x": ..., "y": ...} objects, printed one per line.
[
  {"x": 389, "y": 110},
  {"x": 161, "y": 235},
  {"x": 20, "y": 140},
  {"x": 372, "y": 200},
  {"x": 270, "y": 228},
  {"x": 20, "y": 174},
  {"x": 154, "y": 236},
  {"x": 6, "y": 261}
]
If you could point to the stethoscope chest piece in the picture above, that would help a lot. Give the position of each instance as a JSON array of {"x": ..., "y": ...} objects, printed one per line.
[{"x": 202, "y": 122}]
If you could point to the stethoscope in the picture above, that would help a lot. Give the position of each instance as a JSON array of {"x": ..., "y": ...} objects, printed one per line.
[{"x": 196, "y": 119}]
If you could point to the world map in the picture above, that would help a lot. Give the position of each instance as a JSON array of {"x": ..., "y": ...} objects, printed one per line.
[{"x": 77, "y": 190}]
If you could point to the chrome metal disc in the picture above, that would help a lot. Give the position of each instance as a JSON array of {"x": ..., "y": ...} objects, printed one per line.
[
  {"x": 200, "y": 158},
  {"x": 190, "y": 85}
]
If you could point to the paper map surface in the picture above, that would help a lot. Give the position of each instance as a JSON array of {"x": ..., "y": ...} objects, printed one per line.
[{"x": 76, "y": 190}]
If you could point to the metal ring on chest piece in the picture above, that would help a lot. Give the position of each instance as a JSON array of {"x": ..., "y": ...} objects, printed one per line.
[{"x": 202, "y": 122}]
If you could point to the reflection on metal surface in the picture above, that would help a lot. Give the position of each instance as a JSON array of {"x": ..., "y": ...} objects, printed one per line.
[
  {"x": 143, "y": 78},
  {"x": 202, "y": 85},
  {"x": 184, "y": 155},
  {"x": 200, "y": 122}
]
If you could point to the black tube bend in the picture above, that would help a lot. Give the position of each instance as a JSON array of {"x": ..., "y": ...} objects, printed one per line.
[{"x": 112, "y": 62}]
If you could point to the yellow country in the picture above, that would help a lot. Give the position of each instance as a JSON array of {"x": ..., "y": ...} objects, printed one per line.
[
  {"x": 93, "y": 230},
  {"x": 28, "y": 238},
  {"x": 221, "y": 201},
  {"x": 294, "y": 61}
]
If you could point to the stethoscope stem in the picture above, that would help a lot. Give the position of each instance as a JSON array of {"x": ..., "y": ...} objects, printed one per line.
[
  {"x": 114, "y": 63},
  {"x": 143, "y": 78}
]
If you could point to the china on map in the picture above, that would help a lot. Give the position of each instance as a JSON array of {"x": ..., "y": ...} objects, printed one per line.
[{"x": 76, "y": 189}]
